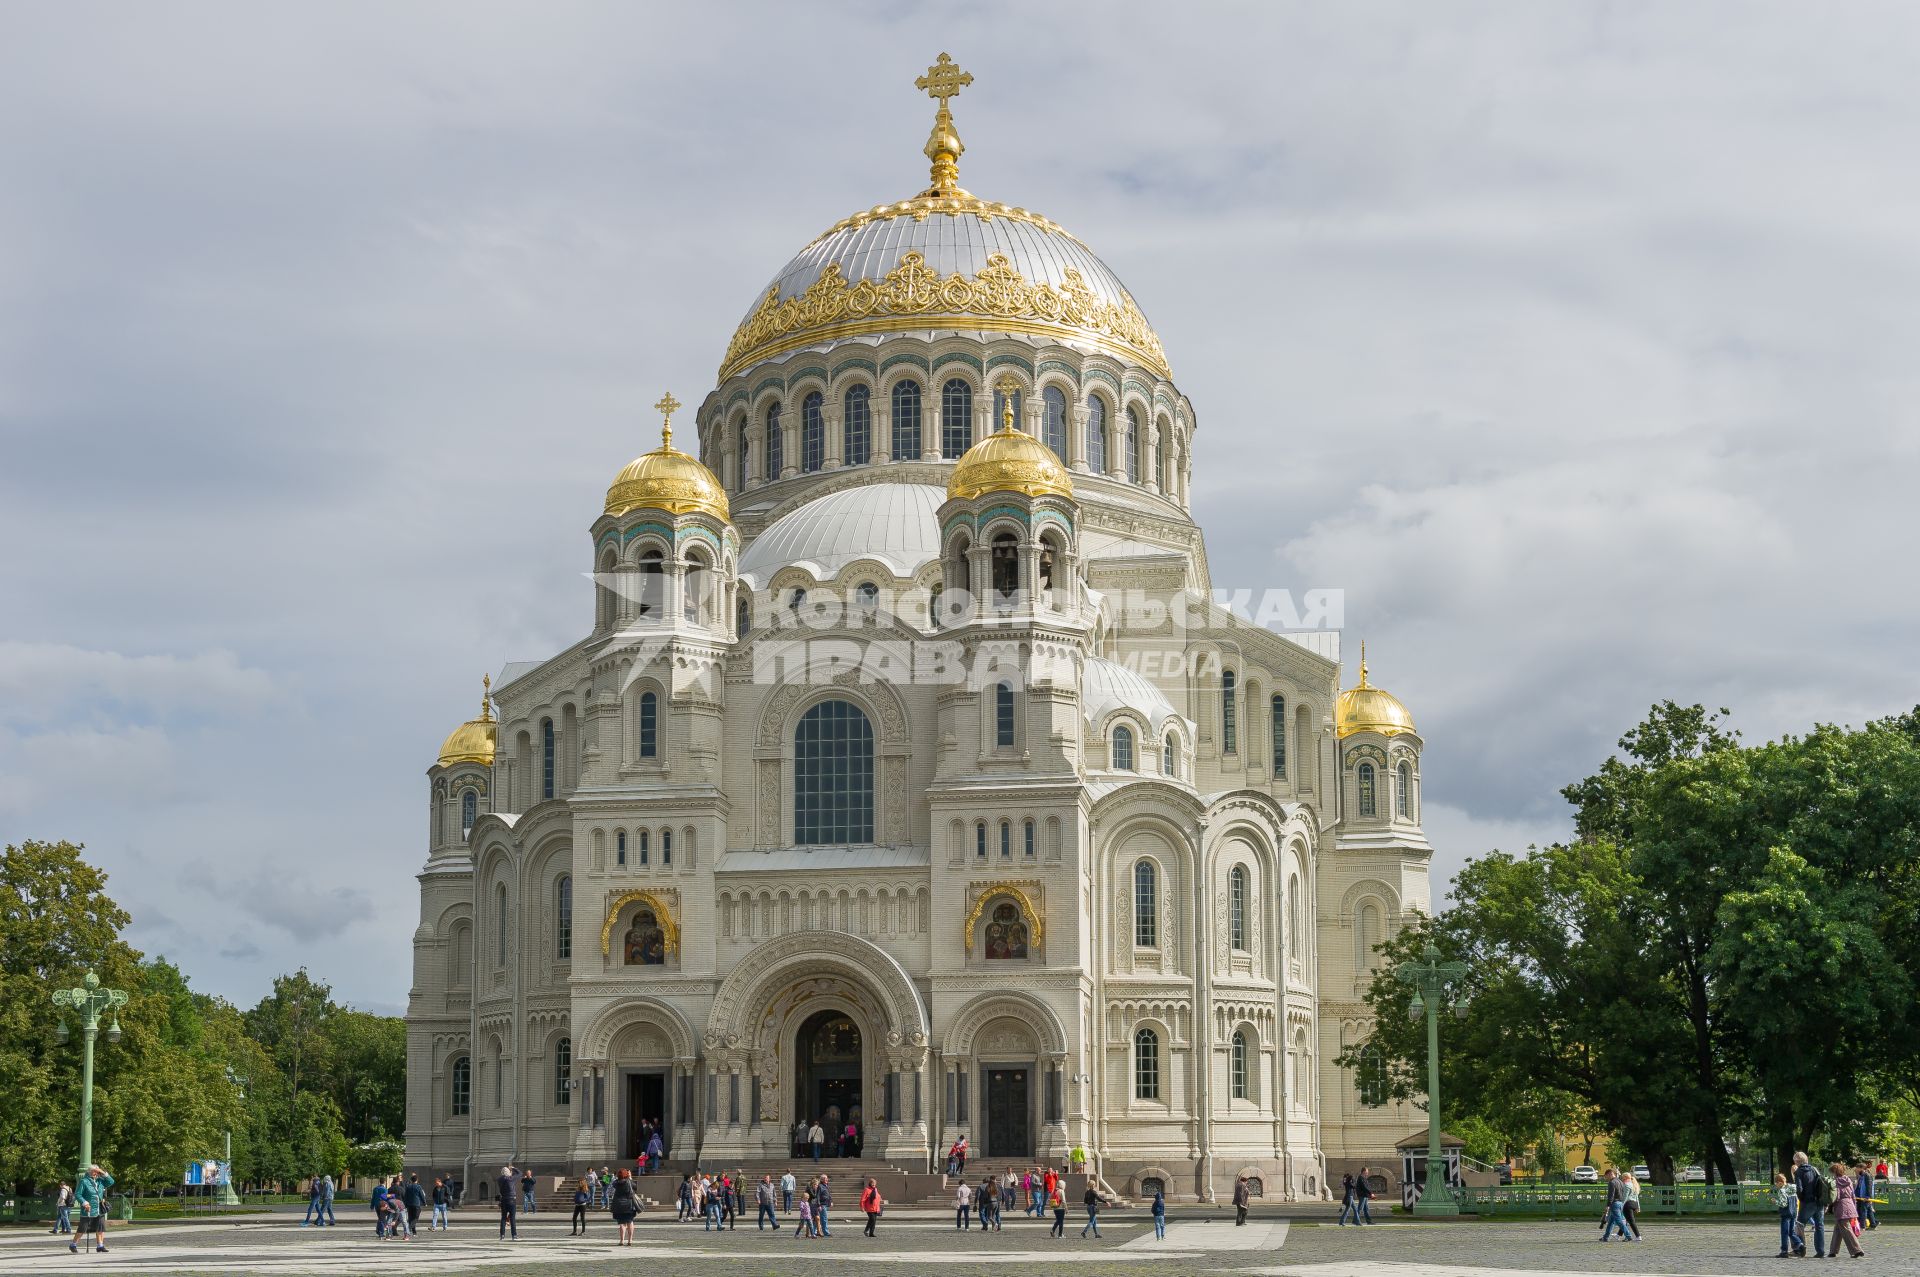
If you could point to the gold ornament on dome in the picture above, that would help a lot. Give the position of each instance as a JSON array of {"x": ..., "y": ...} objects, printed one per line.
[
  {"x": 1009, "y": 460},
  {"x": 1366, "y": 708},
  {"x": 473, "y": 741},
  {"x": 913, "y": 295},
  {"x": 1036, "y": 925},
  {"x": 667, "y": 478}
]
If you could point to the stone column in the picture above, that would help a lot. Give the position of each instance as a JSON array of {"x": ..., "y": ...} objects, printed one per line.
[
  {"x": 1151, "y": 462},
  {"x": 930, "y": 427},
  {"x": 880, "y": 413},
  {"x": 833, "y": 419},
  {"x": 1077, "y": 437}
]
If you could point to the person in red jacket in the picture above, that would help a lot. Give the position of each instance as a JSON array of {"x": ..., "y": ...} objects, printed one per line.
[{"x": 871, "y": 1203}]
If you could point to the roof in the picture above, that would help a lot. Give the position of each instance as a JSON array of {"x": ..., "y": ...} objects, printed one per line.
[
  {"x": 892, "y": 522},
  {"x": 818, "y": 859}
]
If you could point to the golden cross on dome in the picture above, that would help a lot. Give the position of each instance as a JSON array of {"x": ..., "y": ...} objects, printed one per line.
[
  {"x": 667, "y": 406},
  {"x": 486, "y": 698},
  {"x": 944, "y": 79},
  {"x": 1008, "y": 388}
]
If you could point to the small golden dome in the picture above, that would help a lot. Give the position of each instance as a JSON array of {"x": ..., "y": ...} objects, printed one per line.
[
  {"x": 667, "y": 479},
  {"x": 1366, "y": 708},
  {"x": 473, "y": 740},
  {"x": 1009, "y": 460}
]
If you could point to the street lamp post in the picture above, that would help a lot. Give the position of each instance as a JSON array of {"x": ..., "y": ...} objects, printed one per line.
[
  {"x": 91, "y": 1002},
  {"x": 1431, "y": 980}
]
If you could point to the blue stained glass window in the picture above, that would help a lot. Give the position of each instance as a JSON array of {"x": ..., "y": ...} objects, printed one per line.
[
  {"x": 813, "y": 434},
  {"x": 856, "y": 433},
  {"x": 1056, "y": 428},
  {"x": 1367, "y": 804},
  {"x": 469, "y": 811},
  {"x": 906, "y": 421},
  {"x": 833, "y": 775},
  {"x": 776, "y": 450},
  {"x": 956, "y": 419},
  {"x": 1097, "y": 434}
]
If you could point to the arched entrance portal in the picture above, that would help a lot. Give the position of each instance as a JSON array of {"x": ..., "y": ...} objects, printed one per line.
[{"x": 828, "y": 1051}]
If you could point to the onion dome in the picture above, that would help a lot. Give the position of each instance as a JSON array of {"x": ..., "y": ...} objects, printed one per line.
[
  {"x": 473, "y": 740},
  {"x": 1366, "y": 708},
  {"x": 667, "y": 479},
  {"x": 1009, "y": 460}
]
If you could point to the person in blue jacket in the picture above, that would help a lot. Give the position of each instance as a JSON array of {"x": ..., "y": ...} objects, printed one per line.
[{"x": 91, "y": 1195}]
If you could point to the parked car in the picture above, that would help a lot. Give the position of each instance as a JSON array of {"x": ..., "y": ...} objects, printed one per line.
[
  {"x": 1643, "y": 1172},
  {"x": 1691, "y": 1175},
  {"x": 1585, "y": 1175}
]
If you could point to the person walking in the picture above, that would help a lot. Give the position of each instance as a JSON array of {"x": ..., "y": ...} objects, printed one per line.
[
  {"x": 1347, "y": 1206},
  {"x": 442, "y": 1199},
  {"x": 582, "y": 1199},
  {"x": 1362, "y": 1198},
  {"x": 986, "y": 1204},
  {"x": 508, "y": 1187},
  {"x": 1057, "y": 1199},
  {"x": 963, "y": 1206},
  {"x": 526, "y": 1190},
  {"x": 957, "y": 1157},
  {"x": 816, "y": 1139},
  {"x": 822, "y": 1200},
  {"x": 805, "y": 1227},
  {"x": 1787, "y": 1202},
  {"x": 1009, "y": 1189},
  {"x": 326, "y": 1197},
  {"x": 91, "y": 1195},
  {"x": 710, "y": 1206},
  {"x": 624, "y": 1203},
  {"x": 656, "y": 1149},
  {"x": 63, "y": 1208},
  {"x": 686, "y": 1198},
  {"x": 763, "y": 1194},
  {"x": 1630, "y": 1203},
  {"x": 871, "y": 1205},
  {"x": 414, "y": 1199},
  {"x": 1846, "y": 1214},
  {"x": 1613, "y": 1213},
  {"x": 786, "y": 1193},
  {"x": 1863, "y": 1186},
  {"x": 1242, "y": 1198},
  {"x": 1160, "y": 1214},
  {"x": 1092, "y": 1202},
  {"x": 593, "y": 1187},
  {"x": 313, "y": 1201},
  {"x": 377, "y": 1202},
  {"x": 1811, "y": 1189},
  {"x": 1049, "y": 1181}
]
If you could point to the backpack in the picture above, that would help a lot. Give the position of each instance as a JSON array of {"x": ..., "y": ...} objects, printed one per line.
[{"x": 1826, "y": 1189}]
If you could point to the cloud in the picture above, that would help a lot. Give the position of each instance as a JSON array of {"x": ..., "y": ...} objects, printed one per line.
[
  {"x": 282, "y": 899},
  {"x": 40, "y": 680}
]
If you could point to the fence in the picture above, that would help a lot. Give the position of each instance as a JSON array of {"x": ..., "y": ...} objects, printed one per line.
[{"x": 1588, "y": 1201}]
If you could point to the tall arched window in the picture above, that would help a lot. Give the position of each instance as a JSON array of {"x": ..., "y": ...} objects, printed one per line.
[
  {"x": 1132, "y": 443},
  {"x": 1123, "y": 749},
  {"x": 546, "y": 758},
  {"x": 739, "y": 433},
  {"x": 469, "y": 812},
  {"x": 1146, "y": 905},
  {"x": 833, "y": 776},
  {"x": 649, "y": 725},
  {"x": 1096, "y": 434},
  {"x": 1000, "y": 406},
  {"x": 645, "y": 849},
  {"x": 563, "y": 918},
  {"x": 956, "y": 419},
  {"x": 1294, "y": 927},
  {"x": 1003, "y": 715},
  {"x": 775, "y": 450},
  {"x": 1170, "y": 759},
  {"x": 1027, "y": 844},
  {"x": 1403, "y": 797},
  {"x": 620, "y": 848},
  {"x": 1056, "y": 427},
  {"x": 1367, "y": 804},
  {"x": 653, "y": 587},
  {"x": 906, "y": 421},
  {"x": 1003, "y": 563},
  {"x": 746, "y": 455},
  {"x": 813, "y": 434},
  {"x": 1006, "y": 840},
  {"x": 979, "y": 840},
  {"x": 460, "y": 1088},
  {"x": 1279, "y": 736},
  {"x": 856, "y": 432},
  {"x": 1229, "y": 713},
  {"x": 742, "y": 615},
  {"x": 563, "y": 1071},
  {"x": 666, "y": 847},
  {"x": 1366, "y": 935},
  {"x": 500, "y": 925},
  {"x": 1240, "y": 1053},
  {"x": 1237, "y": 923},
  {"x": 1372, "y": 1076},
  {"x": 1146, "y": 1065}
]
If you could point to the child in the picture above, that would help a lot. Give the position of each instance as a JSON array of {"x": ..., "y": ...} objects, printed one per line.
[
  {"x": 1787, "y": 1202},
  {"x": 805, "y": 1226}
]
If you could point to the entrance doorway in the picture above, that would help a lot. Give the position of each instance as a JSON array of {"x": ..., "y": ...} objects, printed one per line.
[
  {"x": 829, "y": 1052},
  {"x": 1009, "y": 1114},
  {"x": 646, "y": 1102}
]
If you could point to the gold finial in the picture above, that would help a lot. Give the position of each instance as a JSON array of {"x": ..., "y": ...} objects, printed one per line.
[
  {"x": 942, "y": 80},
  {"x": 1008, "y": 388},
  {"x": 486, "y": 698},
  {"x": 667, "y": 406},
  {"x": 1363, "y": 662}
]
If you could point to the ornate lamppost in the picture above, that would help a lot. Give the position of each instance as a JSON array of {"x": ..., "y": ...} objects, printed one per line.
[
  {"x": 92, "y": 1003},
  {"x": 1432, "y": 981}
]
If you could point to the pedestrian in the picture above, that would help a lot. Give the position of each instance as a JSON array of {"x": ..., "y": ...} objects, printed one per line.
[
  {"x": 816, "y": 1139},
  {"x": 1030, "y": 1185},
  {"x": 849, "y": 1139},
  {"x": 509, "y": 1193},
  {"x": 1009, "y": 1189},
  {"x": 986, "y": 1204},
  {"x": 593, "y": 1187},
  {"x": 63, "y": 1209},
  {"x": 1787, "y": 1202},
  {"x": 958, "y": 1156},
  {"x": 1613, "y": 1214},
  {"x": 1630, "y": 1203},
  {"x": 326, "y": 1197},
  {"x": 655, "y": 1151},
  {"x": 1348, "y": 1202},
  {"x": 377, "y": 1203},
  {"x": 414, "y": 1199},
  {"x": 786, "y": 1193},
  {"x": 1362, "y": 1198},
  {"x": 1242, "y": 1198},
  {"x": 805, "y": 1227},
  {"x": 686, "y": 1198},
  {"x": 1863, "y": 1186},
  {"x": 822, "y": 1200},
  {"x": 963, "y": 1206},
  {"x": 313, "y": 1201},
  {"x": 871, "y": 1204},
  {"x": 1048, "y": 1182},
  {"x": 1092, "y": 1202},
  {"x": 442, "y": 1199},
  {"x": 1814, "y": 1197},
  {"x": 624, "y": 1202},
  {"x": 91, "y": 1195},
  {"x": 1057, "y": 1199},
  {"x": 582, "y": 1198},
  {"x": 1160, "y": 1214},
  {"x": 712, "y": 1221},
  {"x": 1846, "y": 1214},
  {"x": 763, "y": 1194},
  {"x": 526, "y": 1190}
]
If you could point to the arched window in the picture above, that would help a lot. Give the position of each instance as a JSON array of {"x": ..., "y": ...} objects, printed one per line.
[
  {"x": 856, "y": 432},
  {"x": 1123, "y": 749},
  {"x": 833, "y": 776},
  {"x": 742, "y": 615},
  {"x": 1371, "y": 1076},
  {"x": 1403, "y": 798},
  {"x": 1279, "y": 736},
  {"x": 546, "y": 758},
  {"x": 653, "y": 587},
  {"x": 1028, "y": 844},
  {"x": 620, "y": 848},
  {"x": 956, "y": 419},
  {"x": 694, "y": 584},
  {"x": 563, "y": 1071},
  {"x": 649, "y": 725},
  {"x": 1366, "y": 935},
  {"x": 813, "y": 434},
  {"x": 1097, "y": 434},
  {"x": 469, "y": 811},
  {"x": 867, "y": 595},
  {"x": 1367, "y": 804},
  {"x": 646, "y": 846},
  {"x": 999, "y": 410},
  {"x": 1056, "y": 427},
  {"x": 740, "y": 433},
  {"x": 1146, "y": 905},
  {"x": 500, "y": 925},
  {"x": 980, "y": 840},
  {"x": 666, "y": 847},
  {"x": 776, "y": 449},
  {"x": 1166, "y": 458},
  {"x": 933, "y": 602},
  {"x": 1132, "y": 443},
  {"x": 1240, "y": 1054},
  {"x": 1237, "y": 924},
  {"x": 563, "y": 918},
  {"x": 1006, "y": 840},
  {"x": 1170, "y": 759},
  {"x": 1294, "y": 927},
  {"x": 1146, "y": 1065},
  {"x": 746, "y": 455},
  {"x": 460, "y": 1088},
  {"x": 1003, "y": 715},
  {"x": 1004, "y": 563},
  {"x": 1229, "y": 713},
  {"x": 906, "y": 421}
]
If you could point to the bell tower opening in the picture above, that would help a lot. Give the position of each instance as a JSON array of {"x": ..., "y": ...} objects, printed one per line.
[{"x": 828, "y": 1049}]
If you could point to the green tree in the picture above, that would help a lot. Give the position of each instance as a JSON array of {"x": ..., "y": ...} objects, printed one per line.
[{"x": 368, "y": 1072}]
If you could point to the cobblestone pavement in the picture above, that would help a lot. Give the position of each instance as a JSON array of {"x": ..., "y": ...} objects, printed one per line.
[{"x": 922, "y": 1241}]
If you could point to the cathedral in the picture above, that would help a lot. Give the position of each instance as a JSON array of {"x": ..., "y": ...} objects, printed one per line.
[{"x": 907, "y": 776}]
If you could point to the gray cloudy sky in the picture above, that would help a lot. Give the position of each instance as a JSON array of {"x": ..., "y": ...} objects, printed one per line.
[{"x": 1574, "y": 341}]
